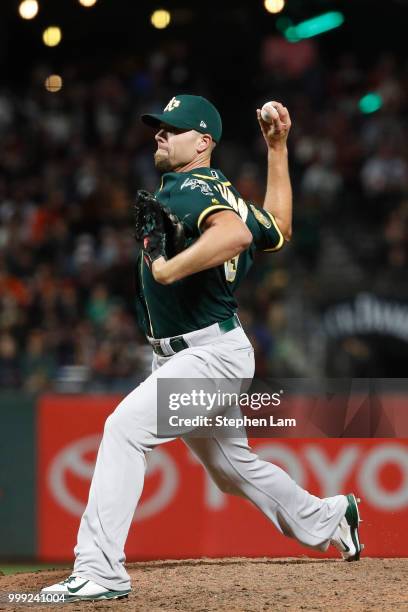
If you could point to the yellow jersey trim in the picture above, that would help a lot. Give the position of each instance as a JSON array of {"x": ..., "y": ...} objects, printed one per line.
[
  {"x": 212, "y": 178},
  {"x": 211, "y": 209},
  {"x": 281, "y": 238}
]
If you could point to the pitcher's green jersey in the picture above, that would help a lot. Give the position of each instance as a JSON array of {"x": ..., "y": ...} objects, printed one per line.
[{"x": 206, "y": 297}]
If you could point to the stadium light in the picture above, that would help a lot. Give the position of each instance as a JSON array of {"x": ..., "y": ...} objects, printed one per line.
[
  {"x": 370, "y": 103},
  {"x": 274, "y": 6},
  {"x": 28, "y": 9},
  {"x": 52, "y": 36},
  {"x": 314, "y": 26},
  {"x": 53, "y": 83},
  {"x": 87, "y": 3},
  {"x": 160, "y": 19}
]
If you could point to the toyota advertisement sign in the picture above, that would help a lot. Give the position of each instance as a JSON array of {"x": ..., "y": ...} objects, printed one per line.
[{"x": 183, "y": 514}]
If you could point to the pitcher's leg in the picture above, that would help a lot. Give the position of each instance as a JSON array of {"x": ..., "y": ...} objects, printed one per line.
[
  {"x": 119, "y": 473},
  {"x": 116, "y": 487},
  {"x": 295, "y": 512}
]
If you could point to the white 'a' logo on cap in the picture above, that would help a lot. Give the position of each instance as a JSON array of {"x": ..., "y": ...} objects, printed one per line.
[{"x": 172, "y": 105}]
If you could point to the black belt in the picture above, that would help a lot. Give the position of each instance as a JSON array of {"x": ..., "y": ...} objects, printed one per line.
[{"x": 177, "y": 343}]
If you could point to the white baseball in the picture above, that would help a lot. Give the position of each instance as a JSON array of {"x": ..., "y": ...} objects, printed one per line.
[{"x": 269, "y": 112}]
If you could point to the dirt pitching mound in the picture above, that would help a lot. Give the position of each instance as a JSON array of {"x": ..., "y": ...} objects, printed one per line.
[{"x": 241, "y": 584}]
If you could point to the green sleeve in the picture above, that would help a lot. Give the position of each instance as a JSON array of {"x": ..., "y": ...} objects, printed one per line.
[
  {"x": 265, "y": 231},
  {"x": 194, "y": 200}
]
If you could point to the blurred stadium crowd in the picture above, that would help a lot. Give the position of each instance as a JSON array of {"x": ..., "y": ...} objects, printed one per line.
[{"x": 70, "y": 165}]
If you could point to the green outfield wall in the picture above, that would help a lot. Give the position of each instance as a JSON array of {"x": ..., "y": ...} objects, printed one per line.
[{"x": 17, "y": 475}]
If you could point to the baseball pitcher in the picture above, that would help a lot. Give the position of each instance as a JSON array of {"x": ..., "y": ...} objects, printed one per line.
[{"x": 198, "y": 239}]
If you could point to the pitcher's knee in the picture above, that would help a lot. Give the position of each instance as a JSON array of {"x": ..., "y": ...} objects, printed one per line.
[
  {"x": 124, "y": 433},
  {"x": 117, "y": 425},
  {"x": 228, "y": 486},
  {"x": 113, "y": 424},
  {"x": 226, "y": 479}
]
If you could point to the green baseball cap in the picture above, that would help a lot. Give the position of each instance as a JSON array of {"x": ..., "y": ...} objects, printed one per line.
[{"x": 189, "y": 113}]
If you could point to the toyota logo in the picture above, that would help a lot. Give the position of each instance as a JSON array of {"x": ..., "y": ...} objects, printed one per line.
[{"x": 72, "y": 460}]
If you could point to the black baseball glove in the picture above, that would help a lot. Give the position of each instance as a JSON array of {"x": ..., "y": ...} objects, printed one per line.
[{"x": 157, "y": 228}]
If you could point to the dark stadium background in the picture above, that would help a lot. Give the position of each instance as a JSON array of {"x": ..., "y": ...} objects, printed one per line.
[{"x": 350, "y": 239}]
